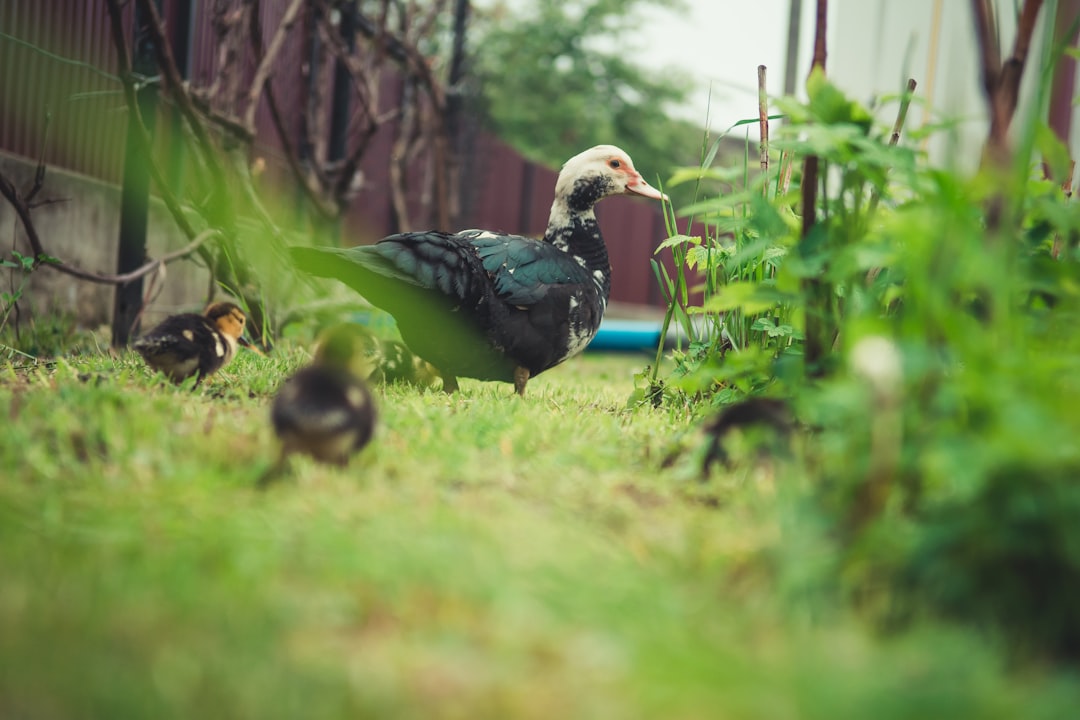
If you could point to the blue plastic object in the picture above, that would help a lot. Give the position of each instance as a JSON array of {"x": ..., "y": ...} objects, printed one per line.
[
  {"x": 626, "y": 336},
  {"x": 613, "y": 335}
]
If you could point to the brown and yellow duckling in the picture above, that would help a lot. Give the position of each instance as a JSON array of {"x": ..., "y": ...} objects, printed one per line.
[
  {"x": 325, "y": 410},
  {"x": 189, "y": 344}
]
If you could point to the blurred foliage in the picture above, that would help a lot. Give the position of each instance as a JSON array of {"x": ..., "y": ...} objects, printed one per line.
[
  {"x": 941, "y": 439},
  {"x": 558, "y": 77}
]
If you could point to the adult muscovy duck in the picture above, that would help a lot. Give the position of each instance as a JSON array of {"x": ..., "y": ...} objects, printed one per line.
[{"x": 490, "y": 305}]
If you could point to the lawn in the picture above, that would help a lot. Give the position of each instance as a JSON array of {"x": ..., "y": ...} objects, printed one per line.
[{"x": 485, "y": 557}]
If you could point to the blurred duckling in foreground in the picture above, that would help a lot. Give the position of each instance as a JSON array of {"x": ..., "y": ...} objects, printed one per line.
[
  {"x": 190, "y": 344},
  {"x": 769, "y": 422},
  {"x": 771, "y": 415},
  {"x": 325, "y": 410},
  {"x": 389, "y": 361}
]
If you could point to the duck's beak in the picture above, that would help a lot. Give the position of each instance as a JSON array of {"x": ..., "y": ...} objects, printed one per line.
[
  {"x": 242, "y": 340},
  {"x": 638, "y": 186}
]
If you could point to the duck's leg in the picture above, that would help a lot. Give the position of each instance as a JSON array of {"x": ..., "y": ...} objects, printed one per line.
[
  {"x": 449, "y": 383},
  {"x": 521, "y": 376}
]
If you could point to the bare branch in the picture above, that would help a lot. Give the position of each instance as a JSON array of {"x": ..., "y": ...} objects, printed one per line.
[
  {"x": 819, "y": 34},
  {"x": 1012, "y": 69},
  {"x": 22, "y": 209},
  {"x": 989, "y": 50},
  {"x": 142, "y": 134},
  {"x": 7, "y": 189},
  {"x": 146, "y": 269},
  {"x": 1067, "y": 190},
  {"x": 178, "y": 91},
  {"x": 228, "y": 123},
  {"x": 324, "y": 208},
  {"x": 901, "y": 115},
  {"x": 816, "y": 290},
  {"x": 262, "y": 73},
  {"x": 39, "y": 173},
  {"x": 405, "y": 55},
  {"x": 1001, "y": 80}
]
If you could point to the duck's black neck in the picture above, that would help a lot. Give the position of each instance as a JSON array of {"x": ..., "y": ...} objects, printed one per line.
[{"x": 578, "y": 235}]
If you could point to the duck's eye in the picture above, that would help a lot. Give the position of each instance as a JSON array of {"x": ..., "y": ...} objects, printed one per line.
[{"x": 615, "y": 164}]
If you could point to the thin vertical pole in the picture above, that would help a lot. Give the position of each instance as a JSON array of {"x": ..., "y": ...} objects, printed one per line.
[{"x": 135, "y": 191}]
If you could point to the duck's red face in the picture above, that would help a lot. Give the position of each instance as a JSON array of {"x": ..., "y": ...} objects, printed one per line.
[{"x": 620, "y": 164}]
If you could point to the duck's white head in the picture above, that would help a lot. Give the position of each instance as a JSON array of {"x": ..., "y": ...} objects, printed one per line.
[{"x": 598, "y": 172}]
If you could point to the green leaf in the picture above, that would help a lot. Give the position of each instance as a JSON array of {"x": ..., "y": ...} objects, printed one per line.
[
  {"x": 830, "y": 106},
  {"x": 1054, "y": 152},
  {"x": 702, "y": 256},
  {"x": 678, "y": 240},
  {"x": 694, "y": 174},
  {"x": 751, "y": 298},
  {"x": 763, "y": 324},
  {"x": 663, "y": 280}
]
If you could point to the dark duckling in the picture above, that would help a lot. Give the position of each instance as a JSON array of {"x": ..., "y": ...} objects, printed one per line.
[
  {"x": 189, "y": 344},
  {"x": 325, "y": 410}
]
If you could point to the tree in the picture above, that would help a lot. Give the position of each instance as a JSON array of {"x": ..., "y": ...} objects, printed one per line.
[{"x": 560, "y": 77}]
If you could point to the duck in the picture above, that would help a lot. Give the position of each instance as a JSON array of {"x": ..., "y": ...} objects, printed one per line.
[
  {"x": 190, "y": 344},
  {"x": 491, "y": 305},
  {"x": 326, "y": 410}
]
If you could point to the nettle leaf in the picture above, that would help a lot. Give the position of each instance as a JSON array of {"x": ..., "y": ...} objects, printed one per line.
[
  {"x": 768, "y": 326},
  {"x": 830, "y": 106},
  {"x": 677, "y": 240},
  {"x": 763, "y": 324},
  {"x": 837, "y": 143},
  {"x": 702, "y": 256},
  {"x": 796, "y": 112},
  {"x": 751, "y": 298}
]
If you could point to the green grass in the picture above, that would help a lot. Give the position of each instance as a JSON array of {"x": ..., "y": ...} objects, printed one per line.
[{"x": 485, "y": 557}]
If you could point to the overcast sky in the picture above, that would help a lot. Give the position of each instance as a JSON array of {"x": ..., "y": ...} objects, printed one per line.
[{"x": 721, "y": 43}]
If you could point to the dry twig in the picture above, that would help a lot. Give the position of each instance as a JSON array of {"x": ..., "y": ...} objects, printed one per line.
[
  {"x": 23, "y": 210},
  {"x": 763, "y": 126}
]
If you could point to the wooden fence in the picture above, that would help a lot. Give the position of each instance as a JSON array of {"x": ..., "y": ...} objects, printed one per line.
[{"x": 59, "y": 98}]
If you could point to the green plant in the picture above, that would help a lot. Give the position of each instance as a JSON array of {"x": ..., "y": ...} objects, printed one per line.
[
  {"x": 946, "y": 484},
  {"x": 23, "y": 266}
]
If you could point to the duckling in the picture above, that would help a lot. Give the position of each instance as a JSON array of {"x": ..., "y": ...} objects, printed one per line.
[
  {"x": 388, "y": 361},
  {"x": 773, "y": 415},
  {"x": 325, "y": 410},
  {"x": 189, "y": 344}
]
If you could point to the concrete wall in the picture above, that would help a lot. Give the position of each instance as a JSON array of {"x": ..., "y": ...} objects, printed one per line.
[
  {"x": 875, "y": 45},
  {"x": 82, "y": 230}
]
